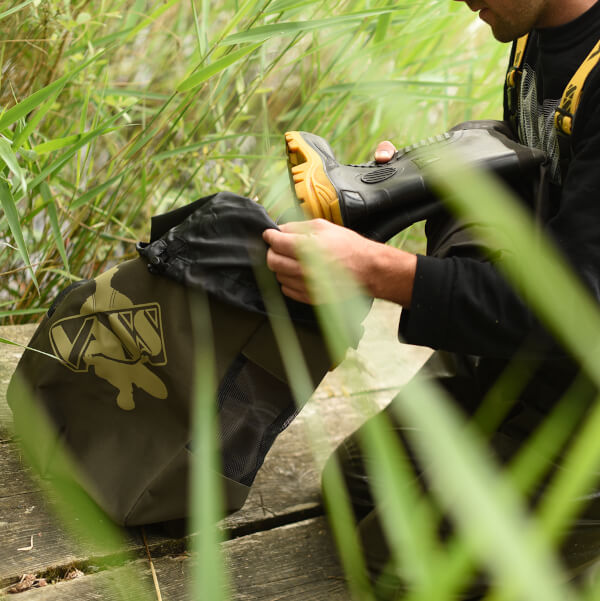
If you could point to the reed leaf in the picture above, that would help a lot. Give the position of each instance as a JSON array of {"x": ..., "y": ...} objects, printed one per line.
[
  {"x": 264, "y": 32},
  {"x": 53, "y": 218},
  {"x": 151, "y": 18},
  {"x": 20, "y": 110},
  {"x": 84, "y": 199},
  {"x": 212, "y": 69},
  {"x": 34, "y": 121},
  {"x": 8, "y": 156},
  {"x": 280, "y": 6},
  {"x": 60, "y": 143},
  {"x": 12, "y": 216},
  {"x": 15, "y": 9},
  {"x": 209, "y": 577},
  {"x": 81, "y": 140}
]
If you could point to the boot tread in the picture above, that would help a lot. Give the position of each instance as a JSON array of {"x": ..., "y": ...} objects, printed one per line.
[{"x": 316, "y": 193}]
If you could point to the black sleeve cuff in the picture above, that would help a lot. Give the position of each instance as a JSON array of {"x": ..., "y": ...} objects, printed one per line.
[{"x": 426, "y": 322}]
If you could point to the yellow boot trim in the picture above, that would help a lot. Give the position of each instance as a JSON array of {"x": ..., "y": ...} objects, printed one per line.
[{"x": 314, "y": 190}]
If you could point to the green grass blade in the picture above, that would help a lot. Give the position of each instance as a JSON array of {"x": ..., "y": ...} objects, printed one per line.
[
  {"x": 240, "y": 13},
  {"x": 149, "y": 19},
  {"x": 33, "y": 123},
  {"x": 209, "y": 139},
  {"x": 204, "y": 26},
  {"x": 383, "y": 23},
  {"x": 79, "y": 514},
  {"x": 335, "y": 494},
  {"x": 559, "y": 299},
  {"x": 53, "y": 217},
  {"x": 407, "y": 517},
  {"x": 82, "y": 140},
  {"x": 62, "y": 273},
  {"x": 24, "y": 346},
  {"x": 207, "y": 72},
  {"x": 90, "y": 194},
  {"x": 282, "y": 5},
  {"x": 579, "y": 474},
  {"x": 100, "y": 42},
  {"x": 12, "y": 217},
  {"x": 15, "y": 9},
  {"x": 290, "y": 28},
  {"x": 60, "y": 143},
  {"x": 491, "y": 515},
  {"x": 200, "y": 31},
  {"x": 545, "y": 280},
  {"x": 4, "y": 314},
  {"x": 144, "y": 94},
  {"x": 209, "y": 577},
  {"x": 11, "y": 161},
  {"x": 409, "y": 521},
  {"x": 27, "y": 105}
]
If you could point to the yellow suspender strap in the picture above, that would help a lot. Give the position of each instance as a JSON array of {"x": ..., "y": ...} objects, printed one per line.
[
  {"x": 515, "y": 72},
  {"x": 565, "y": 114},
  {"x": 513, "y": 80}
]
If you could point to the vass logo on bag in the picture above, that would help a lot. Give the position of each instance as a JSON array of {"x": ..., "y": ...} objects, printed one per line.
[{"x": 119, "y": 339}]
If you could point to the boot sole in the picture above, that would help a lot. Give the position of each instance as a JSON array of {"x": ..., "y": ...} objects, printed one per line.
[{"x": 316, "y": 193}]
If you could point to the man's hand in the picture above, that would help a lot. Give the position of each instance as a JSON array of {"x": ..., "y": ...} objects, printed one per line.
[
  {"x": 384, "y": 151},
  {"x": 340, "y": 252},
  {"x": 383, "y": 271}
]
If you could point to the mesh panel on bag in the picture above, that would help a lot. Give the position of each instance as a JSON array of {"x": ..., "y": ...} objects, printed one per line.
[{"x": 253, "y": 408}]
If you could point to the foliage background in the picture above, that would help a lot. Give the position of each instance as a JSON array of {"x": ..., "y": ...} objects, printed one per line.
[{"x": 87, "y": 159}]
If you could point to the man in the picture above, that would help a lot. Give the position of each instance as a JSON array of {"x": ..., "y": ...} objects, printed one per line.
[{"x": 454, "y": 299}]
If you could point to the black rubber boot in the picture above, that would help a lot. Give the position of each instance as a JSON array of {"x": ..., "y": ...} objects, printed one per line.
[{"x": 381, "y": 199}]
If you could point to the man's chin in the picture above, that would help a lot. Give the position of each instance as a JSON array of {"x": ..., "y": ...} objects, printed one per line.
[
  {"x": 504, "y": 37},
  {"x": 506, "y": 34},
  {"x": 502, "y": 31}
]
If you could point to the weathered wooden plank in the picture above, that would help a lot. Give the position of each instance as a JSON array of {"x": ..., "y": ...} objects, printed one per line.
[
  {"x": 295, "y": 562},
  {"x": 26, "y": 520},
  {"x": 9, "y": 357},
  {"x": 15, "y": 477}
]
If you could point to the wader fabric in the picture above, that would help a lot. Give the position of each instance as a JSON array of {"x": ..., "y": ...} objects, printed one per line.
[{"x": 119, "y": 388}]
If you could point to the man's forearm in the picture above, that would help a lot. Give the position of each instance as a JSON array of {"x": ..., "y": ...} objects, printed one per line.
[
  {"x": 390, "y": 274},
  {"x": 385, "y": 272}
]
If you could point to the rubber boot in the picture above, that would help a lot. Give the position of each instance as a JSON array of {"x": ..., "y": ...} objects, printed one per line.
[{"x": 381, "y": 199}]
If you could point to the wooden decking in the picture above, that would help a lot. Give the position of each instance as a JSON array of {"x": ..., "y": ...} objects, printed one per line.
[{"x": 279, "y": 544}]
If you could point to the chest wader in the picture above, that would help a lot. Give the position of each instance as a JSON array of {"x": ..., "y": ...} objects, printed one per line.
[{"x": 118, "y": 384}]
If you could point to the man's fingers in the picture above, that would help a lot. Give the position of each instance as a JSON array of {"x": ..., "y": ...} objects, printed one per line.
[
  {"x": 300, "y": 227},
  {"x": 282, "y": 264},
  {"x": 282, "y": 243},
  {"x": 384, "y": 151},
  {"x": 300, "y": 296},
  {"x": 286, "y": 240},
  {"x": 291, "y": 282}
]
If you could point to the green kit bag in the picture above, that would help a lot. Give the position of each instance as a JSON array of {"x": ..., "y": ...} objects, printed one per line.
[{"x": 117, "y": 377}]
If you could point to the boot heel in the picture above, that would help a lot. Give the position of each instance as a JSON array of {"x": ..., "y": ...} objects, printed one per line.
[{"x": 315, "y": 192}]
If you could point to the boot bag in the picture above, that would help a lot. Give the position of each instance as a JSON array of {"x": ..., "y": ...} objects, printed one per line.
[{"x": 118, "y": 384}]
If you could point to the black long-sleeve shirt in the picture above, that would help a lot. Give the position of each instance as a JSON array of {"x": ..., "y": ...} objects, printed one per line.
[{"x": 465, "y": 305}]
